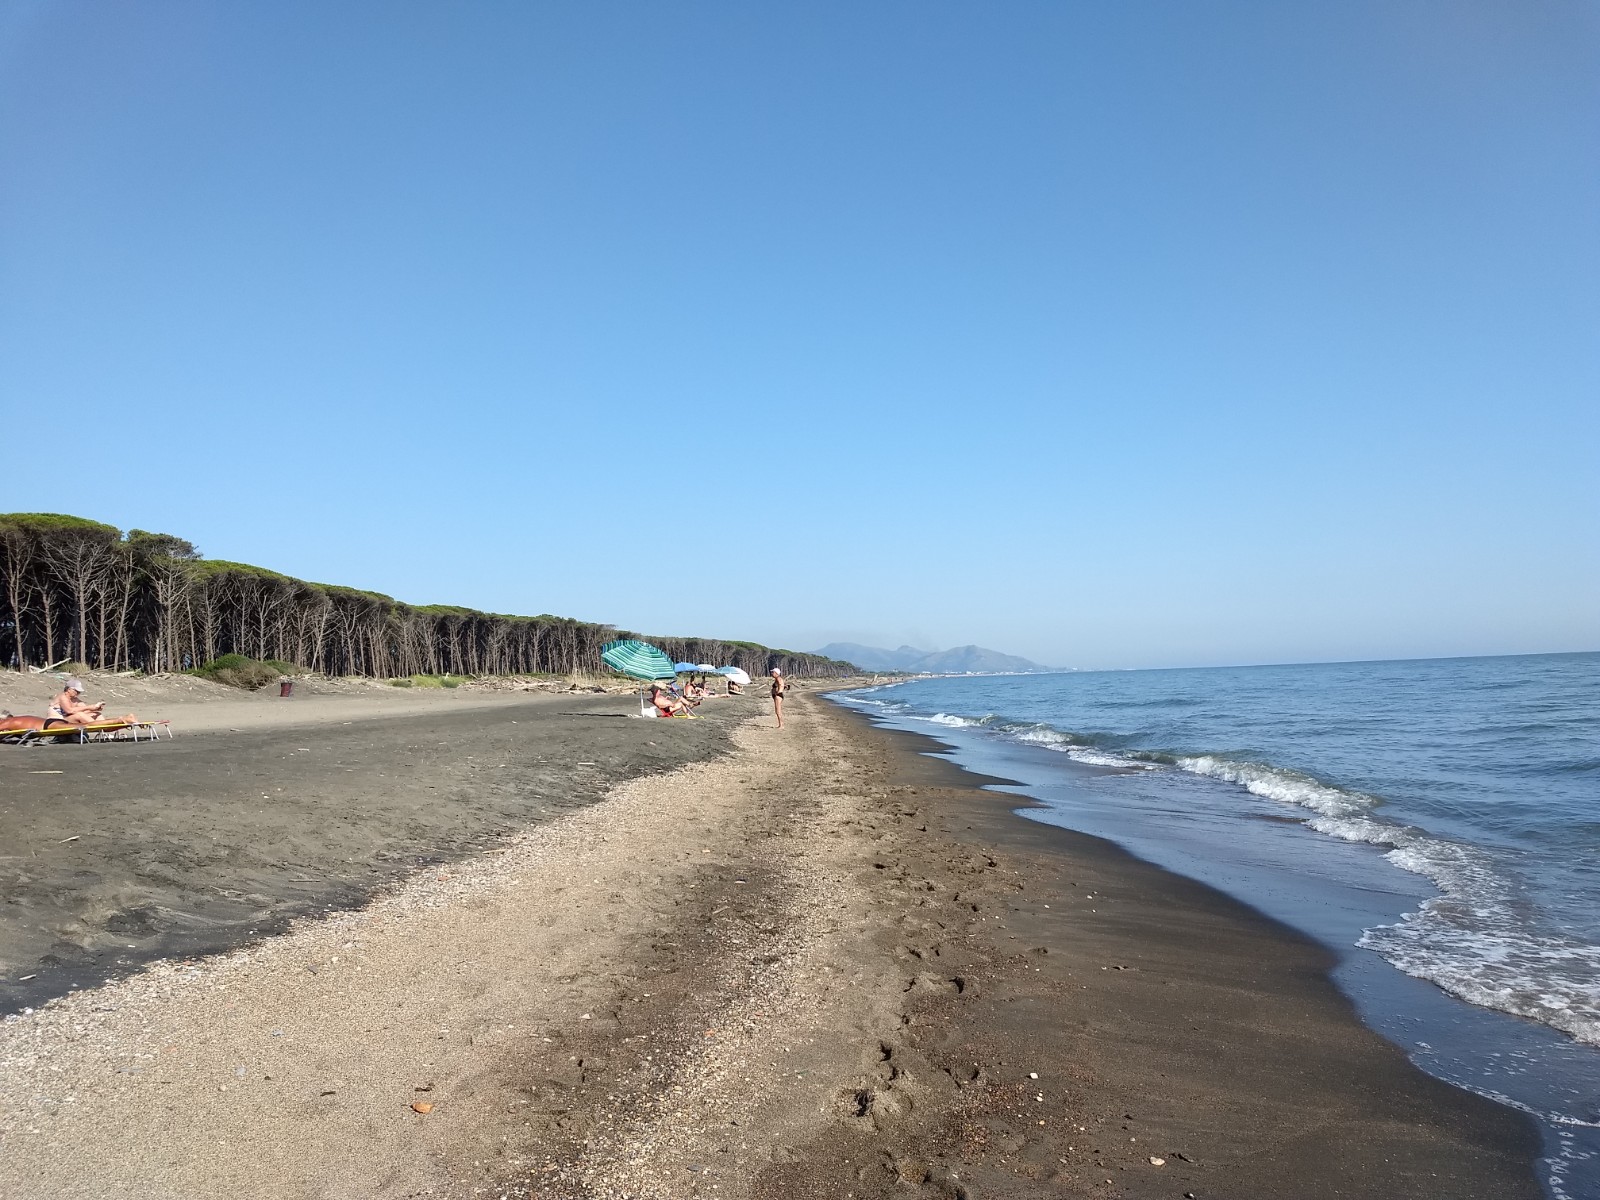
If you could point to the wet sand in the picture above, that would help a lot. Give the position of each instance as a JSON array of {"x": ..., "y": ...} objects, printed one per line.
[{"x": 819, "y": 965}]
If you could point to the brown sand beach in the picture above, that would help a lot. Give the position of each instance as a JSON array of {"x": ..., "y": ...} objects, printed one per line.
[{"x": 523, "y": 946}]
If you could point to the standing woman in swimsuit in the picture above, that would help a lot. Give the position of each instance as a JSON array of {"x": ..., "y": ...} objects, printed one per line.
[{"x": 778, "y": 688}]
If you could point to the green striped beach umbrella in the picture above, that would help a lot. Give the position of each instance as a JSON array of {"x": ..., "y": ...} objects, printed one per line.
[{"x": 639, "y": 660}]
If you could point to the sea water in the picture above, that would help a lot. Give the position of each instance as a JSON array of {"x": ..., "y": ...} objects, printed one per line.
[{"x": 1435, "y": 822}]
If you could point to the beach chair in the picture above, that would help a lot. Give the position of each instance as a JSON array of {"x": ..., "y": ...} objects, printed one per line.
[
  {"x": 136, "y": 731},
  {"x": 650, "y": 711},
  {"x": 104, "y": 731}
]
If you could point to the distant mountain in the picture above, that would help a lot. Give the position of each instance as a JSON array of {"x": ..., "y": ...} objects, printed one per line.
[
  {"x": 934, "y": 662},
  {"x": 871, "y": 658},
  {"x": 975, "y": 658}
]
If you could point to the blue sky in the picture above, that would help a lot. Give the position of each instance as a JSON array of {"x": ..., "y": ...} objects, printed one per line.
[{"x": 1107, "y": 334}]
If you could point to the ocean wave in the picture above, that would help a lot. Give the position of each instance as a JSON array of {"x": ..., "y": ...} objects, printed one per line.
[
  {"x": 1358, "y": 829},
  {"x": 864, "y": 698},
  {"x": 1153, "y": 758},
  {"x": 1078, "y": 747},
  {"x": 1282, "y": 785},
  {"x": 1101, "y": 758},
  {"x": 1464, "y": 946},
  {"x": 1041, "y": 735},
  {"x": 1477, "y": 939},
  {"x": 1582, "y": 766}
]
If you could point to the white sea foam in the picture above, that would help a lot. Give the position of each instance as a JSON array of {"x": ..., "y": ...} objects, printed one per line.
[
  {"x": 1474, "y": 952},
  {"x": 1101, "y": 758},
  {"x": 860, "y": 698},
  {"x": 1286, "y": 787},
  {"x": 1357, "y": 829},
  {"x": 1476, "y": 940},
  {"x": 1041, "y": 735}
]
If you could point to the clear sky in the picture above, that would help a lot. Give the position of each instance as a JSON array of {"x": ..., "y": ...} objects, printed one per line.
[{"x": 1109, "y": 334}]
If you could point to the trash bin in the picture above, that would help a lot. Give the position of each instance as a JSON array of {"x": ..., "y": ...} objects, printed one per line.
[{"x": 285, "y": 687}]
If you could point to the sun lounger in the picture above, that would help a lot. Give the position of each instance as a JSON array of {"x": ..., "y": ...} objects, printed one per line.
[{"x": 104, "y": 731}]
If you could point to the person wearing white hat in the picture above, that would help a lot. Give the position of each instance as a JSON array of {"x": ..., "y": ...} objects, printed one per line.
[
  {"x": 778, "y": 688},
  {"x": 69, "y": 705}
]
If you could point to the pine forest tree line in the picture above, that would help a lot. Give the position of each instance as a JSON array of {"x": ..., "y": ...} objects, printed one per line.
[{"x": 75, "y": 589}]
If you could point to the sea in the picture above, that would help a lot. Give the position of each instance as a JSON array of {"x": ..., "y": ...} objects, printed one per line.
[{"x": 1436, "y": 823}]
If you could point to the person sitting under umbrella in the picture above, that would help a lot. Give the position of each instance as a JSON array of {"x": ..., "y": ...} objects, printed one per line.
[{"x": 666, "y": 704}]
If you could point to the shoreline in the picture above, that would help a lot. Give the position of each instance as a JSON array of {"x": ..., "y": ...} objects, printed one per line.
[
  {"x": 823, "y": 964},
  {"x": 1270, "y": 1070},
  {"x": 1449, "y": 942}
]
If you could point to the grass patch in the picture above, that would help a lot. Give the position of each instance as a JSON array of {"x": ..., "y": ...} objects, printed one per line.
[
  {"x": 431, "y": 681},
  {"x": 236, "y": 670}
]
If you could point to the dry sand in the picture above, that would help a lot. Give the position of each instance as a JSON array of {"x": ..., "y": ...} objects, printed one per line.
[
  {"x": 195, "y": 705},
  {"x": 813, "y": 963}
]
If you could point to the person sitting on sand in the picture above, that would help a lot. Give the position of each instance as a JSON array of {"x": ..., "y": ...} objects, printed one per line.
[
  {"x": 667, "y": 705},
  {"x": 69, "y": 706},
  {"x": 735, "y": 689}
]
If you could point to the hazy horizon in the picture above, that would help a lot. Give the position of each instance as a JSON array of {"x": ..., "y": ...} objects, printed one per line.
[{"x": 1316, "y": 662}]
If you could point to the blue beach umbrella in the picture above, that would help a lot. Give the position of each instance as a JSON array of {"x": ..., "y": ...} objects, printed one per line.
[
  {"x": 637, "y": 660},
  {"x": 680, "y": 668}
]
